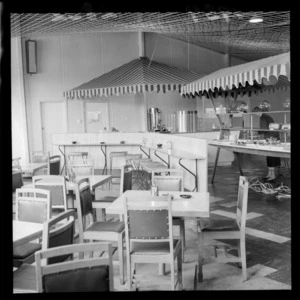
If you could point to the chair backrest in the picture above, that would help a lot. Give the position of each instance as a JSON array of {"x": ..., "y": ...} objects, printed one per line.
[
  {"x": 168, "y": 179},
  {"x": 33, "y": 205},
  {"x": 17, "y": 179},
  {"x": 84, "y": 202},
  {"x": 40, "y": 156},
  {"x": 81, "y": 167},
  {"x": 59, "y": 231},
  {"x": 54, "y": 165},
  {"x": 57, "y": 185},
  {"x": 130, "y": 157},
  {"x": 148, "y": 219},
  {"x": 242, "y": 203},
  {"x": 126, "y": 178},
  {"x": 16, "y": 162},
  {"x": 75, "y": 155},
  {"x": 92, "y": 273}
]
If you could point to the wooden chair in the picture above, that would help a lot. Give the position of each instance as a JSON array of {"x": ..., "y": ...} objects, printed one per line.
[
  {"x": 54, "y": 165},
  {"x": 32, "y": 205},
  {"x": 141, "y": 177},
  {"x": 17, "y": 182},
  {"x": 93, "y": 230},
  {"x": 40, "y": 156},
  {"x": 76, "y": 156},
  {"x": 81, "y": 167},
  {"x": 233, "y": 229},
  {"x": 112, "y": 156},
  {"x": 104, "y": 198},
  {"x": 58, "y": 231},
  {"x": 171, "y": 180},
  {"x": 149, "y": 237},
  {"x": 89, "y": 274},
  {"x": 57, "y": 185}
]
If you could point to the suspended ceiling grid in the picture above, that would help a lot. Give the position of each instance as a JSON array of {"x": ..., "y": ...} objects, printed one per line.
[{"x": 224, "y": 32}]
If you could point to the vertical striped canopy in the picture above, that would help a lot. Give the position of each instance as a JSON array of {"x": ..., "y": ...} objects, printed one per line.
[
  {"x": 138, "y": 76},
  {"x": 264, "y": 73}
]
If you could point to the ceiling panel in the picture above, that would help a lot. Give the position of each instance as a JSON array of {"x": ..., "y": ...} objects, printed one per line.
[{"x": 225, "y": 32}]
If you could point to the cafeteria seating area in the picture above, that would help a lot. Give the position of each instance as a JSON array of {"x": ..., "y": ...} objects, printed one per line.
[
  {"x": 268, "y": 243},
  {"x": 151, "y": 151}
]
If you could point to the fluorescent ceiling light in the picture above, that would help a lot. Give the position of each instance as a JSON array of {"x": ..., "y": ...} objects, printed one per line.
[
  {"x": 75, "y": 17},
  {"x": 256, "y": 20},
  {"x": 58, "y": 17}
]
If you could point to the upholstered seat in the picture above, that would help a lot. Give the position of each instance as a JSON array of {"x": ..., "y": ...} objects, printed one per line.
[
  {"x": 79, "y": 280},
  {"x": 152, "y": 248},
  {"x": 106, "y": 226},
  {"x": 218, "y": 225}
]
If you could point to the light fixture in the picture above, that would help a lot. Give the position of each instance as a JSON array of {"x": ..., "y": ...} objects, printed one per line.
[
  {"x": 58, "y": 17},
  {"x": 31, "y": 56},
  {"x": 256, "y": 19}
]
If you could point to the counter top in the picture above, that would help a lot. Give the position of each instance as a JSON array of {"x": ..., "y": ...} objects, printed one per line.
[
  {"x": 266, "y": 150},
  {"x": 174, "y": 152}
]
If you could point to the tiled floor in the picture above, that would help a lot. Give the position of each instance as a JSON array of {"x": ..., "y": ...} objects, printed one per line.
[{"x": 268, "y": 238}]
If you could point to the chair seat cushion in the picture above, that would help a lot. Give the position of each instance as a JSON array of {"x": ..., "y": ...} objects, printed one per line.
[
  {"x": 218, "y": 225},
  {"x": 106, "y": 199},
  {"x": 107, "y": 226},
  {"x": 152, "y": 247},
  {"x": 25, "y": 250},
  {"x": 94, "y": 279}
]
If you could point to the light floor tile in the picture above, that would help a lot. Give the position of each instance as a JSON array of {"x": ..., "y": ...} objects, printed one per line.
[
  {"x": 260, "y": 271},
  {"x": 213, "y": 199},
  {"x": 229, "y": 204},
  {"x": 223, "y": 213},
  {"x": 268, "y": 236}
]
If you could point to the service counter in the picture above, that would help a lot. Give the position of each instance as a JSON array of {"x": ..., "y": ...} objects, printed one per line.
[{"x": 187, "y": 152}]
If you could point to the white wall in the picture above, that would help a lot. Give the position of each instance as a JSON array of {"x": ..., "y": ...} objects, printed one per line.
[
  {"x": 18, "y": 110},
  {"x": 65, "y": 62}
]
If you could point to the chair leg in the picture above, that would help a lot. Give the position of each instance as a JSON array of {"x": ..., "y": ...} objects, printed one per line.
[
  {"x": 200, "y": 255},
  {"x": 172, "y": 269},
  {"x": 121, "y": 258},
  {"x": 243, "y": 257},
  {"x": 179, "y": 269},
  {"x": 182, "y": 237}
]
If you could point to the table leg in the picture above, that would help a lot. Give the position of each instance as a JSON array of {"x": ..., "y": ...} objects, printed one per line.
[
  {"x": 238, "y": 163},
  {"x": 200, "y": 251},
  {"x": 215, "y": 166},
  {"x": 105, "y": 160},
  {"x": 161, "y": 269},
  {"x": 64, "y": 165}
]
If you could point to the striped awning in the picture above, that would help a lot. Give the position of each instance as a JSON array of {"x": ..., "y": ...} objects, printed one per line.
[
  {"x": 138, "y": 76},
  {"x": 267, "y": 72}
]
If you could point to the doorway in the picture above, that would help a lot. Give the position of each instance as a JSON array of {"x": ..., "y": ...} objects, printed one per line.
[{"x": 53, "y": 118}]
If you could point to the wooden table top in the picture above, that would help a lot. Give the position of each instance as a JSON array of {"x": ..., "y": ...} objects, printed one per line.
[
  {"x": 95, "y": 181},
  {"x": 24, "y": 232},
  {"x": 196, "y": 206}
]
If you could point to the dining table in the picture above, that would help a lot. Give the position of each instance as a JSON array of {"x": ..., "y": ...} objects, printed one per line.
[
  {"x": 95, "y": 181},
  {"x": 24, "y": 232}
]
